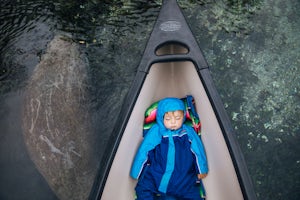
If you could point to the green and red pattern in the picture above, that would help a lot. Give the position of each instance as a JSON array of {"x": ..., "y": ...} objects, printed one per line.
[{"x": 192, "y": 118}]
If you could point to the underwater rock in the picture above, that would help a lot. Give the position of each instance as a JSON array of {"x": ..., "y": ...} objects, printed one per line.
[{"x": 56, "y": 121}]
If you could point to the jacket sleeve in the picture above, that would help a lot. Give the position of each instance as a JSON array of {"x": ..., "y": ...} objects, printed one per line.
[
  {"x": 151, "y": 140},
  {"x": 198, "y": 149}
]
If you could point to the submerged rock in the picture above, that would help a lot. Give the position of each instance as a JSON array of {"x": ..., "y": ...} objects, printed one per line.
[{"x": 56, "y": 121}]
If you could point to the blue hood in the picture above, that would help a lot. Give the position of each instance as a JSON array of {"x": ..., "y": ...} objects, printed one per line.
[{"x": 169, "y": 104}]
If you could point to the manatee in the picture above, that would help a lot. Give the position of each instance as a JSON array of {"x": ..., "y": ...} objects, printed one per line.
[{"x": 56, "y": 120}]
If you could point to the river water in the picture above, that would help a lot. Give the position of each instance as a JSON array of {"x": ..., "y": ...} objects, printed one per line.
[{"x": 251, "y": 46}]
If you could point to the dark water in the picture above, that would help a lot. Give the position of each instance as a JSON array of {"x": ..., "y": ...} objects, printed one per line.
[{"x": 252, "y": 47}]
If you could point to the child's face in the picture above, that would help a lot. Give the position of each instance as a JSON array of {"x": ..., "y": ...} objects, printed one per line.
[{"x": 173, "y": 120}]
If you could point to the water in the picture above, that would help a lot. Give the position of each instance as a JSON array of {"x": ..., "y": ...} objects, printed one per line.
[
  {"x": 256, "y": 69},
  {"x": 251, "y": 46}
]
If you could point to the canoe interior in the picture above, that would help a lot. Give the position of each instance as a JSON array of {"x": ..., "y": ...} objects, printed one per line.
[{"x": 174, "y": 79}]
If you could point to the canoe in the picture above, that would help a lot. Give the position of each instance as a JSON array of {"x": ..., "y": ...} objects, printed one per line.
[{"x": 174, "y": 66}]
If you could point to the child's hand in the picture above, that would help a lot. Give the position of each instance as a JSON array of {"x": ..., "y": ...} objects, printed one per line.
[{"x": 201, "y": 176}]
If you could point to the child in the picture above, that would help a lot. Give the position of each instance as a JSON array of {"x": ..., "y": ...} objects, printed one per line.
[{"x": 171, "y": 158}]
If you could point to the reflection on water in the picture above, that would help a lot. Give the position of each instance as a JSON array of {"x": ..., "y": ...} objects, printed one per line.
[
  {"x": 23, "y": 38},
  {"x": 251, "y": 46}
]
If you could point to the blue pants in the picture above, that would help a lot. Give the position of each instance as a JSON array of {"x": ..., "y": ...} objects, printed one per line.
[{"x": 146, "y": 194}]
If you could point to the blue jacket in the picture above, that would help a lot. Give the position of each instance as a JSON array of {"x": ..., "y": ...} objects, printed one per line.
[{"x": 168, "y": 161}]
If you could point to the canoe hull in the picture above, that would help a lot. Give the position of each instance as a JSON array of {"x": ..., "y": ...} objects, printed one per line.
[
  {"x": 174, "y": 66},
  {"x": 174, "y": 79}
]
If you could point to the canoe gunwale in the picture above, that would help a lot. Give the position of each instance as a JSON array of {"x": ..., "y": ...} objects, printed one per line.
[
  {"x": 116, "y": 136},
  {"x": 229, "y": 135}
]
